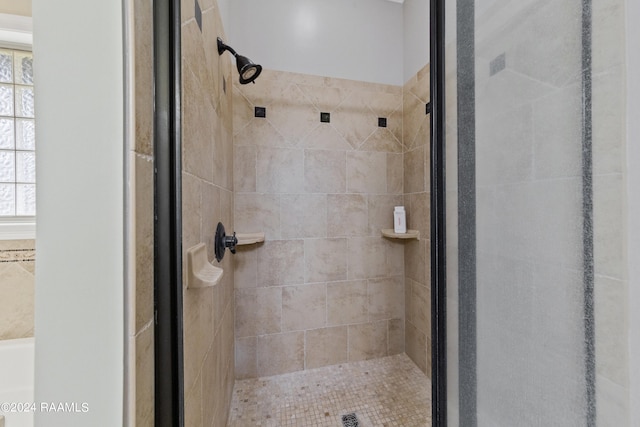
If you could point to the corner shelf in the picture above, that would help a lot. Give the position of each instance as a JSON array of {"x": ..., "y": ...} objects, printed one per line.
[
  {"x": 410, "y": 234},
  {"x": 200, "y": 273},
  {"x": 249, "y": 238}
]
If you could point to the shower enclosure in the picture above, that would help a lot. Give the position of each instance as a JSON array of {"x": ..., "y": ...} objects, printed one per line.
[{"x": 534, "y": 250}]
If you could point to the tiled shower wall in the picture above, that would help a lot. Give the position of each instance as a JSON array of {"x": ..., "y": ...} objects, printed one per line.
[
  {"x": 141, "y": 161},
  {"x": 17, "y": 264},
  {"x": 207, "y": 198},
  {"x": 416, "y": 137},
  {"x": 325, "y": 287}
]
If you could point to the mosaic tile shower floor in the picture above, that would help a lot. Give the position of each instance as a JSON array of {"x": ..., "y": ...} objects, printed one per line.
[{"x": 385, "y": 392}]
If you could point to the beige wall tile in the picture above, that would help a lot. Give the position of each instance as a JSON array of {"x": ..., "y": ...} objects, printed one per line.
[
  {"x": 325, "y": 171},
  {"x": 395, "y": 334},
  {"x": 293, "y": 115},
  {"x": 325, "y": 137},
  {"x": 280, "y": 353},
  {"x": 347, "y": 302},
  {"x": 303, "y": 215},
  {"x": 191, "y": 210},
  {"x": 244, "y": 169},
  {"x": 347, "y": 215},
  {"x": 325, "y": 99},
  {"x": 413, "y": 118},
  {"x": 279, "y": 170},
  {"x": 420, "y": 307},
  {"x": 416, "y": 261},
  {"x": 17, "y": 295},
  {"x": 395, "y": 173},
  {"x": 381, "y": 212},
  {"x": 364, "y": 172},
  {"x": 17, "y": 244},
  {"x": 419, "y": 213},
  {"x": 144, "y": 378},
  {"x": 386, "y": 298},
  {"x": 259, "y": 132},
  {"x": 281, "y": 262},
  {"x": 326, "y": 346},
  {"x": 325, "y": 260},
  {"x": 415, "y": 169},
  {"x": 257, "y": 212},
  {"x": 258, "y": 311},
  {"x": 212, "y": 401},
  {"x": 143, "y": 63},
  {"x": 354, "y": 120},
  {"x": 367, "y": 341},
  {"x": 198, "y": 325},
  {"x": 144, "y": 240},
  {"x": 395, "y": 257},
  {"x": 367, "y": 257},
  {"x": 246, "y": 357},
  {"x": 416, "y": 346},
  {"x": 243, "y": 110},
  {"x": 383, "y": 139},
  {"x": 197, "y": 147},
  {"x": 304, "y": 307},
  {"x": 211, "y": 214},
  {"x": 385, "y": 103},
  {"x": 245, "y": 267},
  {"x": 193, "y": 405}
]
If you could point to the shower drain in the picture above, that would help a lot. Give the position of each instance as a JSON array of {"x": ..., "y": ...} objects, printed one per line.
[{"x": 350, "y": 420}]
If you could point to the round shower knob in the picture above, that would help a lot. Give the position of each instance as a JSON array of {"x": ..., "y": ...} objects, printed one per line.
[{"x": 222, "y": 242}]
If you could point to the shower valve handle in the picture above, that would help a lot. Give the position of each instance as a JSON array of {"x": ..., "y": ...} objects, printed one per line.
[
  {"x": 231, "y": 242},
  {"x": 222, "y": 242}
]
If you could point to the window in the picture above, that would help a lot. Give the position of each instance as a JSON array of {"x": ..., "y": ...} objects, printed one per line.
[
  {"x": 17, "y": 129},
  {"x": 17, "y": 135}
]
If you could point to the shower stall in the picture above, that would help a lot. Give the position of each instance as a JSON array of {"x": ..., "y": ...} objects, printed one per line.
[{"x": 506, "y": 150}]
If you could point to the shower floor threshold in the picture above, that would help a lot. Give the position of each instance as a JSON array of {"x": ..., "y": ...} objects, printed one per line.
[{"x": 391, "y": 392}]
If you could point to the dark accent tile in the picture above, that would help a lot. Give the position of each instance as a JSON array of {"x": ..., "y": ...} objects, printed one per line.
[
  {"x": 199, "y": 15},
  {"x": 260, "y": 111},
  {"x": 427, "y": 108},
  {"x": 382, "y": 122},
  {"x": 325, "y": 117}
]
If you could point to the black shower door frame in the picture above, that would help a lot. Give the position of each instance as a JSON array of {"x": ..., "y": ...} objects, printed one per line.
[{"x": 168, "y": 351}]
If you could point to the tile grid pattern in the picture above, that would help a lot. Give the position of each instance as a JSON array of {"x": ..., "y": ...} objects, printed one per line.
[
  {"x": 416, "y": 135},
  {"x": 389, "y": 391},
  {"x": 325, "y": 287},
  {"x": 17, "y": 285},
  {"x": 141, "y": 330},
  {"x": 207, "y": 198}
]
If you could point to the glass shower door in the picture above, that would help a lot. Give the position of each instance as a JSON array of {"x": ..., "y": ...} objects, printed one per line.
[{"x": 519, "y": 201}]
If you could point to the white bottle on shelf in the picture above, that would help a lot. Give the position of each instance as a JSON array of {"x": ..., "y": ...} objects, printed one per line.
[{"x": 399, "y": 220}]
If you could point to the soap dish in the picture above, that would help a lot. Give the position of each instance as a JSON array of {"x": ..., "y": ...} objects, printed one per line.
[
  {"x": 200, "y": 272},
  {"x": 410, "y": 234},
  {"x": 250, "y": 238}
]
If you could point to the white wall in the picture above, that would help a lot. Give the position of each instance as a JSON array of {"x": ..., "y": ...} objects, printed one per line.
[
  {"x": 351, "y": 39},
  {"x": 79, "y": 273},
  {"x": 633, "y": 197},
  {"x": 416, "y": 36}
]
